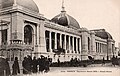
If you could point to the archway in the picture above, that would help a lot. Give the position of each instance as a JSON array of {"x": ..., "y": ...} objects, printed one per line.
[{"x": 28, "y": 35}]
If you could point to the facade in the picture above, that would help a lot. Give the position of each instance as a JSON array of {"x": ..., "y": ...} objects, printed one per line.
[{"x": 24, "y": 31}]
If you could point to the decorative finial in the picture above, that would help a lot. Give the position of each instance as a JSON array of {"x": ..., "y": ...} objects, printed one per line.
[
  {"x": 63, "y": 8},
  {"x": 15, "y": 3}
]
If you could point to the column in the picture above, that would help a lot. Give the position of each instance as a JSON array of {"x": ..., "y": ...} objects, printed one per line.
[
  {"x": 36, "y": 28},
  {"x": 65, "y": 42},
  {"x": 50, "y": 41},
  {"x": 34, "y": 37},
  {"x": 69, "y": 44},
  {"x": 8, "y": 35},
  {"x": 0, "y": 38},
  {"x": 99, "y": 47},
  {"x": 37, "y": 33},
  {"x": 55, "y": 40},
  {"x": 76, "y": 44},
  {"x": 80, "y": 45},
  {"x": 113, "y": 49},
  {"x": 73, "y": 43}
]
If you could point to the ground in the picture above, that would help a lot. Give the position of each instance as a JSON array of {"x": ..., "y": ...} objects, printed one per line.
[{"x": 93, "y": 70}]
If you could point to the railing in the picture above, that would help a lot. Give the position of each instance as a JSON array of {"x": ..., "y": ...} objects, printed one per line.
[{"x": 22, "y": 46}]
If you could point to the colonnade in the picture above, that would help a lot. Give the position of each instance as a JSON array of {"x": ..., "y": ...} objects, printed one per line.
[
  {"x": 101, "y": 48},
  {"x": 70, "y": 43}
]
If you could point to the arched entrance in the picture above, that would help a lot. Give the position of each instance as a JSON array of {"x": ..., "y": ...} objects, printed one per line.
[{"x": 28, "y": 35}]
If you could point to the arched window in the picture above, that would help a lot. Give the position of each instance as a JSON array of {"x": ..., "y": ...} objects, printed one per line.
[{"x": 28, "y": 34}]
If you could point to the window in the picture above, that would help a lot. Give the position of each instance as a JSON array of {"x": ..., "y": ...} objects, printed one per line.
[
  {"x": 53, "y": 40},
  {"x": 28, "y": 34},
  {"x": 4, "y": 36},
  {"x": 88, "y": 43},
  {"x": 75, "y": 44},
  {"x": 47, "y": 40},
  {"x": 96, "y": 47}
]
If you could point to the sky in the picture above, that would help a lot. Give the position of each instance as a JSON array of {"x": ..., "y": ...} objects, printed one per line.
[{"x": 91, "y": 14}]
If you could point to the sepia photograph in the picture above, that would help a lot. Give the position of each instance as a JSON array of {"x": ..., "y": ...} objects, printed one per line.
[{"x": 59, "y": 37}]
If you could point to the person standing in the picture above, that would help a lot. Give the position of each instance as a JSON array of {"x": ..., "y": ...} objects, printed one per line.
[
  {"x": 4, "y": 67},
  {"x": 58, "y": 62},
  {"x": 34, "y": 65},
  {"x": 29, "y": 63},
  {"x": 103, "y": 61},
  {"x": 24, "y": 65},
  {"x": 39, "y": 63},
  {"x": 47, "y": 65},
  {"x": 114, "y": 61},
  {"x": 15, "y": 67}
]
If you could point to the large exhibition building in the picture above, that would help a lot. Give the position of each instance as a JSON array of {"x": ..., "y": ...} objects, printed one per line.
[{"x": 24, "y": 31}]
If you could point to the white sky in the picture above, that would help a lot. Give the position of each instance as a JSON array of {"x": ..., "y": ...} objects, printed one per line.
[{"x": 91, "y": 14}]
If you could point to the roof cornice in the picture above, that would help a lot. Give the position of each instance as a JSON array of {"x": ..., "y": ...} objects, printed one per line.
[{"x": 21, "y": 10}]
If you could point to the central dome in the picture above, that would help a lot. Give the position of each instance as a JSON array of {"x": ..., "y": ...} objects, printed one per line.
[
  {"x": 30, "y": 4},
  {"x": 66, "y": 20}
]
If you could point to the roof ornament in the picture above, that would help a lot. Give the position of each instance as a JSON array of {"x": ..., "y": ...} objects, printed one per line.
[
  {"x": 63, "y": 7},
  {"x": 15, "y": 3}
]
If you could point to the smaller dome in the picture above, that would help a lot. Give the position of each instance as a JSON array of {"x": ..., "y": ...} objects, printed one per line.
[
  {"x": 66, "y": 20},
  {"x": 103, "y": 34}
]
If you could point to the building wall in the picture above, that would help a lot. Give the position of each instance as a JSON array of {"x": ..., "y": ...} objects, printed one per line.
[
  {"x": 87, "y": 45},
  {"x": 67, "y": 55}
]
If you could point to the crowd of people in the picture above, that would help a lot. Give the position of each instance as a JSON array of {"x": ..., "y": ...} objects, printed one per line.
[
  {"x": 76, "y": 62},
  {"x": 115, "y": 61},
  {"x": 35, "y": 65},
  {"x": 29, "y": 65},
  {"x": 42, "y": 64}
]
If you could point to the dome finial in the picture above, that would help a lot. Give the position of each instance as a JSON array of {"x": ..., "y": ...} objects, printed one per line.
[
  {"x": 63, "y": 8},
  {"x": 15, "y": 3}
]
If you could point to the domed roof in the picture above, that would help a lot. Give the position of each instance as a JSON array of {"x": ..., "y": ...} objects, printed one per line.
[
  {"x": 30, "y": 4},
  {"x": 103, "y": 34},
  {"x": 66, "y": 20}
]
